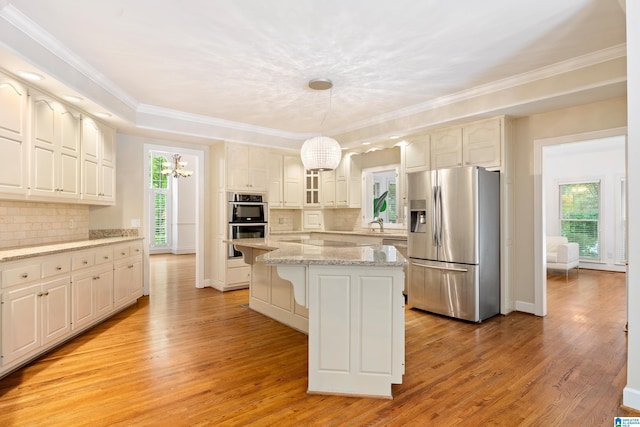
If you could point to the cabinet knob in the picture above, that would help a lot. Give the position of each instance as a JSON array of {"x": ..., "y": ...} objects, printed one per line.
[
  {"x": 122, "y": 253},
  {"x": 24, "y": 275},
  {"x": 46, "y": 293},
  {"x": 106, "y": 257},
  {"x": 130, "y": 266},
  {"x": 59, "y": 268},
  {"x": 96, "y": 277},
  {"x": 40, "y": 294},
  {"x": 85, "y": 262}
]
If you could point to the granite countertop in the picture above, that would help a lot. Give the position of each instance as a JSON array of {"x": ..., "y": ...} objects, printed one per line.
[
  {"x": 387, "y": 234},
  {"x": 323, "y": 252},
  {"x": 13, "y": 254}
]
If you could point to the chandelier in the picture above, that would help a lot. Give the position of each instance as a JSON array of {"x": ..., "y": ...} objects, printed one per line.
[
  {"x": 321, "y": 153},
  {"x": 176, "y": 168}
]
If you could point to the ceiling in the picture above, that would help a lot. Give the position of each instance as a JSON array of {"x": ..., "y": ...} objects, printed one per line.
[{"x": 238, "y": 69}]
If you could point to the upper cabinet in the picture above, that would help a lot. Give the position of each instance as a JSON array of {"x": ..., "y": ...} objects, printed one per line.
[
  {"x": 416, "y": 154},
  {"x": 446, "y": 148},
  {"x": 482, "y": 143},
  {"x": 98, "y": 162},
  {"x": 348, "y": 181},
  {"x": 52, "y": 152},
  {"x": 55, "y": 149},
  {"x": 13, "y": 141},
  {"x": 285, "y": 181},
  {"x": 246, "y": 168},
  {"x": 311, "y": 188}
]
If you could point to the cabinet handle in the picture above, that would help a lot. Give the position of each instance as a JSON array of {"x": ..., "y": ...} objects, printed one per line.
[
  {"x": 46, "y": 293},
  {"x": 25, "y": 275},
  {"x": 130, "y": 266},
  {"x": 122, "y": 253},
  {"x": 106, "y": 257},
  {"x": 59, "y": 268},
  {"x": 40, "y": 294},
  {"x": 85, "y": 262},
  {"x": 96, "y": 277}
]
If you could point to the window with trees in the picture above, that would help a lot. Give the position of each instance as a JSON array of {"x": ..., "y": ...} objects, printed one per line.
[
  {"x": 160, "y": 202},
  {"x": 580, "y": 217},
  {"x": 380, "y": 194}
]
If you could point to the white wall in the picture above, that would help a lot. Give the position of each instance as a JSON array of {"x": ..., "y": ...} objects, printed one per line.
[
  {"x": 603, "y": 160},
  {"x": 183, "y": 239}
]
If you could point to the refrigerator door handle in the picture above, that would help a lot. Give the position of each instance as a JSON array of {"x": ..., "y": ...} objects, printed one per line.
[
  {"x": 439, "y": 207},
  {"x": 434, "y": 267},
  {"x": 434, "y": 220}
]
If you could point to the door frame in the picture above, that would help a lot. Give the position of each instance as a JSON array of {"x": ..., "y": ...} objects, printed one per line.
[{"x": 539, "y": 226}]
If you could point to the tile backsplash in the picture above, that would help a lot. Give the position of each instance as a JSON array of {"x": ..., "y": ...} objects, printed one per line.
[{"x": 33, "y": 223}]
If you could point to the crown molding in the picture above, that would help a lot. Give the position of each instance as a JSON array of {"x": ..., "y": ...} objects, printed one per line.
[
  {"x": 569, "y": 65},
  {"x": 32, "y": 30}
]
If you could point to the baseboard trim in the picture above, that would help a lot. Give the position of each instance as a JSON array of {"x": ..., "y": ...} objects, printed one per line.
[
  {"x": 631, "y": 398},
  {"x": 525, "y": 307}
]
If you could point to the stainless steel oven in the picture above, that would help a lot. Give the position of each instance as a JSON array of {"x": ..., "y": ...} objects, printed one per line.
[
  {"x": 245, "y": 231},
  {"x": 246, "y": 208}
]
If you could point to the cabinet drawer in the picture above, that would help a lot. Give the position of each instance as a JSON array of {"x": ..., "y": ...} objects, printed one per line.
[
  {"x": 18, "y": 274},
  {"x": 104, "y": 255},
  {"x": 135, "y": 248},
  {"x": 52, "y": 266},
  {"x": 238, "y": 275},
  {"x": 121, "y": 251},
  {"x": 82, "y": 260}
]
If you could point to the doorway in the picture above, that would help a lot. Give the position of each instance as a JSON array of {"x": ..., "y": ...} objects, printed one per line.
[
  {"x": 546, "y": 215},
  {"x": 194, "y": 206}
]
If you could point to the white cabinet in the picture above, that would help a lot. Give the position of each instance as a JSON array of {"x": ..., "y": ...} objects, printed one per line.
[
  {"x": 348, "y": 191},
  {"x": 13, "y": 142},
  {"x": 416, "y": 153},
  {"x": 127, "y": 273},
  {"x": 92, "y": 286},
  {"x": 285, "y": 181},
  {"x": 446, "y": 148},
  {"x": 55, "y": 149},
  {"x": 35, "y": 305},
  {"x": 482, "y": 143},
  {"x": 292, "y": 170},
  {"x": 328, "y": 189},
  {"x": 312, "y": 220},
  {"x": 34, "y": 316},
  {"x": 98, "y": 162},
  {"x": 474, "y": 144},
  {"x": 311, "y": 188},
  {"x": 246, "y": 168}
]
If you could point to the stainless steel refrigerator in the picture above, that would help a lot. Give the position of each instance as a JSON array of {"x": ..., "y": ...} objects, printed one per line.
[{"x": 454, "y": 242}]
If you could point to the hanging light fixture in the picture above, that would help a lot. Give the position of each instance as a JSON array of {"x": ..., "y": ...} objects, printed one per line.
[
  {"x": 321, "y": 153},
  {"x": 176, "y": 168}
]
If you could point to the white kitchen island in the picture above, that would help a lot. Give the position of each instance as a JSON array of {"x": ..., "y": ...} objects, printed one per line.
[{"x": 355, "y": 304}]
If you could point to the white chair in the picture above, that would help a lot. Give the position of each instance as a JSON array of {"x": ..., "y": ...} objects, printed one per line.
[{"x": 562, "y": 255}]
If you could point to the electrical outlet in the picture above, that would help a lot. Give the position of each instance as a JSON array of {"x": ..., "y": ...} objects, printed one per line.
[{"x": 135, "y": 223}]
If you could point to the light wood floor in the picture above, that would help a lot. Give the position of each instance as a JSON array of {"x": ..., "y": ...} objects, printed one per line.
[{"x": 187, "y": 356}]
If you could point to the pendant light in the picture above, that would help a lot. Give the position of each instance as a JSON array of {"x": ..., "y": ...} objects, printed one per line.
[{"x": 321, "y": 153}]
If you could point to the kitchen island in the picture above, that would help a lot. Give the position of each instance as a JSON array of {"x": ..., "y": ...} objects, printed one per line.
[{"x": 353, "y": 294}]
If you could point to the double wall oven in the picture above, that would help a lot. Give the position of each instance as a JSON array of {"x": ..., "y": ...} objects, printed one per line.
[{"x": 247, "y": 214}]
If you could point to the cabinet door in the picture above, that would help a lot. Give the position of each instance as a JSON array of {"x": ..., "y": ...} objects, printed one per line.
[
  {"x": 90, "y": 160},
  {"x": 257, "y": 176},
  {"x": 275, "y": 181},
  {"x": 103, "y": 291},
  {"x": 292, "y": 177},
  {"x": 82, "y": 305},
  {"x": 481, "y": 144},
  {"x": 136, "y": 282},
  {"x": 446, "y": 148},
  {"x": 56, "y": 310},
  {"x": 328, "y": 189},
  {"x": 20, "y": 322},
  {"x": 311, "y": 188},
  {"x": 13, "y": 104},
  {"x": 416, "y": 153},
  {"x": 69, "y": 144},
  {"x": 43, "y": 156},
  {"x": 237, "y": 162}
]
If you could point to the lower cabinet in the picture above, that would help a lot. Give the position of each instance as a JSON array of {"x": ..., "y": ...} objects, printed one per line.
[
  {"x": 34, "y": 316},
  {"x": 48, "y": 299}
]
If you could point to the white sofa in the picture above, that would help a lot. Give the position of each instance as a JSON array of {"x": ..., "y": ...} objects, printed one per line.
[{"x": 562, "y": 255}]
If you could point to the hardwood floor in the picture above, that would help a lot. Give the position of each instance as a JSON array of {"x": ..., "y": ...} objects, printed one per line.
[{"x": 187, "y": 356}]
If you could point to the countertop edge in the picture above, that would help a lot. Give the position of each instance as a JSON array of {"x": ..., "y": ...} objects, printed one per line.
[{"x": 42, "y": 250}]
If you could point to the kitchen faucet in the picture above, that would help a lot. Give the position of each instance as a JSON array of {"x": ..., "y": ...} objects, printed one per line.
[{"x": 378, "y": 221}]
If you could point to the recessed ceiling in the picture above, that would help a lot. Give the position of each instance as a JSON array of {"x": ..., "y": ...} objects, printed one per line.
[{"x": 247, "y": 63}]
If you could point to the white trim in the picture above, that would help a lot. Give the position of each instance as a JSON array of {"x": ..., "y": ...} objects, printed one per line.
[
  {"x": 540, "y": 276},
  {"x": 631, "y": 397},
  {"x": 525, "y": 307},
  {"x": 198, "y": 176}
]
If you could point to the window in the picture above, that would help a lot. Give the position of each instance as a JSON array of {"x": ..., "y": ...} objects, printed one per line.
[
  {"x": 580, "y": 217},
  {"x": 380, "y": 194},
  {"x": 621, "y": 223},
  {"x": 160, "y": 192}
]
